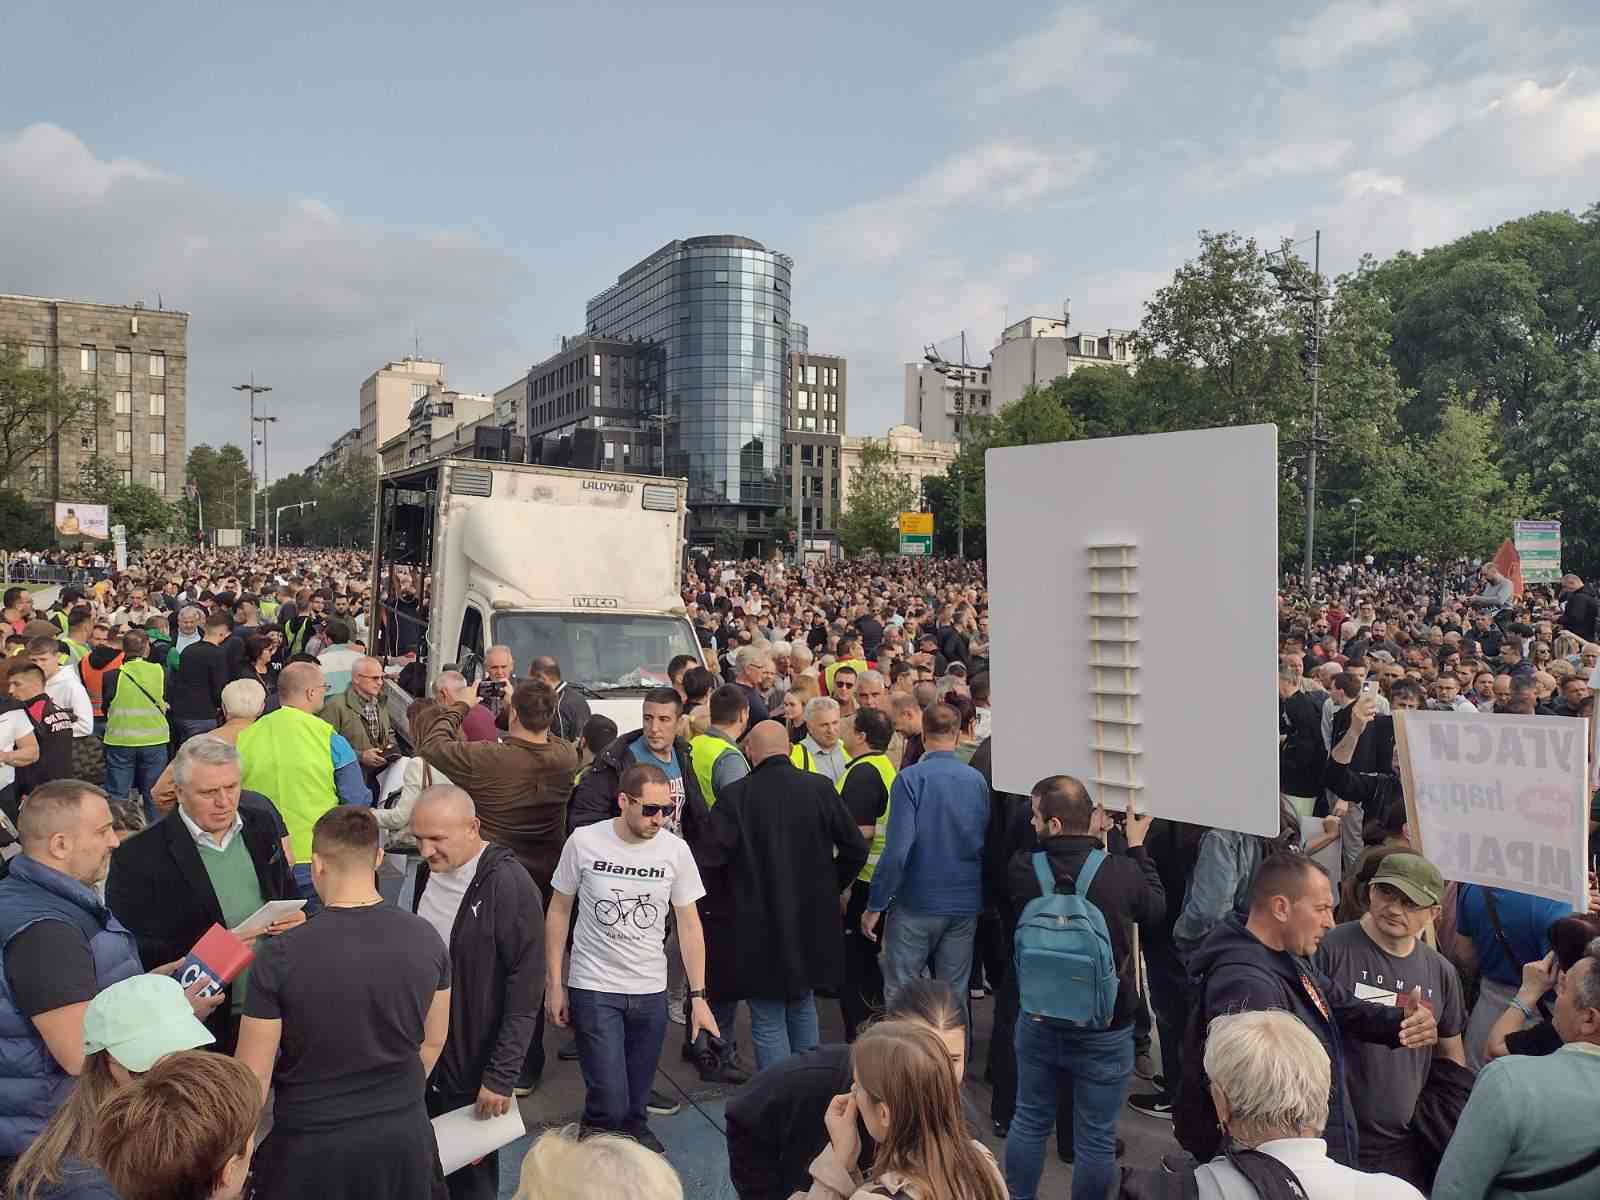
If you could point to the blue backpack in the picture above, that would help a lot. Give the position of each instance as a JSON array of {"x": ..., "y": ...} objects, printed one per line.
[{"x": 1065, "y": 967}]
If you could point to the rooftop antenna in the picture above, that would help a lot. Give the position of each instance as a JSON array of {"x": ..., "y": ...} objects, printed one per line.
[
  {"x": 1066, "y": 315},
  {"x": 159, "y": 306}
]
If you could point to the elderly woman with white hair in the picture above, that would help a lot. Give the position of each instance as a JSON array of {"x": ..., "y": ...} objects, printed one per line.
[{"x": 1270, "y": 1079}]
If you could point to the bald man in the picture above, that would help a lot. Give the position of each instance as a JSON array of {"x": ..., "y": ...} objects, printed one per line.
[
  {"x": 1580, "y": 610},
  {"x": 486, "y": 908},
  {"x": 791, "y": 850},
  {"x": 302, "y": 764}
]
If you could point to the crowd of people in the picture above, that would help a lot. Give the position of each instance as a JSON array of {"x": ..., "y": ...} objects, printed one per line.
[{"x": 804, "y": 816}]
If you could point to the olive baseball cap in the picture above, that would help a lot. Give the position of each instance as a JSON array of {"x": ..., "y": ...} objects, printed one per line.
[
  {"x": 1413, "y": 876},
  {"x": 141, "y": 1020}
]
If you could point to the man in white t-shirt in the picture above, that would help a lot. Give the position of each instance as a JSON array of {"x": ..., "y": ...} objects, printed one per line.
[
  {"x": 623, "y": 876},
  {"x": 62, "y": 685}
]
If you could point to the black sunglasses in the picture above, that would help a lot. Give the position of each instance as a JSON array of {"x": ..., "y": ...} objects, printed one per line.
[{"x": 651, "y": 810}]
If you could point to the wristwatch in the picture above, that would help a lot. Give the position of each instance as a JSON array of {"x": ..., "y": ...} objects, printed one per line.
[
  {"x": 1516, "y": 1003},
  {"x": 697, "y": 993}
]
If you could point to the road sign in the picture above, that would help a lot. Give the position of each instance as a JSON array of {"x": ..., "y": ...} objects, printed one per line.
[
  {"x": 1538, "y": 545},
  {"x": 916, "y": 534}
]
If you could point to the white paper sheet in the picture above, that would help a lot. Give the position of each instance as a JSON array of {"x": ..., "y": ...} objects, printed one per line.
[
  {"x": 463, "y": 1138},
  {"x": 272, "y": 910}
]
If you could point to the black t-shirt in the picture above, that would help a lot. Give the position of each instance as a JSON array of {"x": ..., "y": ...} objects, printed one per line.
[
  {"x": 52, "y": 726},
  {"x": 49, "y": 965},
  {"x": 352, "y": 987},
  {"x": 1539, "y": 1040},
  {"x": 864, "y": 795},
  {"x": 197, "y": 684}
]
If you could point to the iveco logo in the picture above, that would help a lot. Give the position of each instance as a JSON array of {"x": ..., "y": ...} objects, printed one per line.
[
  {"x": 606, "y": 485},
  {"x": 595, "y": 601}
]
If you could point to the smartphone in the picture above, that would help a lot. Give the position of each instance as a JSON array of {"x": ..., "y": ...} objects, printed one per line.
[{"x": 1369, "y": 687}]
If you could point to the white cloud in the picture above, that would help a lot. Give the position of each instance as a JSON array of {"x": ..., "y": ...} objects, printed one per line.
[
  {"x": 1545, "y": 129},
  {"x": 1349, "y": 25},
  {"x": 1360, "y": 183},
  {"x": 1001, "y": 175},
  {"x": 1303, "y": 156},
  {"x": 1076, "y": 52},
  {"x": 309, "y": 300}
]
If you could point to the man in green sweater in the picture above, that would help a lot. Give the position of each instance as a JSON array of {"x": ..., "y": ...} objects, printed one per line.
[{"x": 1529, "y": 1128}]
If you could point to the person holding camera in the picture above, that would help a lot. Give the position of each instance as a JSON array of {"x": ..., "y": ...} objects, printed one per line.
[{"x": 360, "y": 715}]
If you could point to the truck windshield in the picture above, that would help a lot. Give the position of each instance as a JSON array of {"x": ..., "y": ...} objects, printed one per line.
[{"x": 598, "y": 652}]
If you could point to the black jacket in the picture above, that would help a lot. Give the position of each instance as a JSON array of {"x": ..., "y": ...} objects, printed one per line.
[
  {"x": 159, "y": 889},
  {"x": 496, "y": 977},
  {"x": 1233, "y": 971},
  {"x": 1301, "y": 758},
  {"x": 1580, "y": 614},
  {"x": 790, "y": 849},
  {"x": 572, "y": 714},
  {"x": 775, "y": 1126},
  {"x": 1125, "y": 890},
  {"x": 595, "y": 797}
]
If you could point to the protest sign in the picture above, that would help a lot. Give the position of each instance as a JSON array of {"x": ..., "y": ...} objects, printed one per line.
[{"x": 1500, "y": 800}]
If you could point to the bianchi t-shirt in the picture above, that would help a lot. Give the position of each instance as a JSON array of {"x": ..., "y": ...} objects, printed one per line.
[
  {"x": 674, "y": 773},
  {"x": 622, "y": 893},
  {"x": 1385, "y": 1083}
]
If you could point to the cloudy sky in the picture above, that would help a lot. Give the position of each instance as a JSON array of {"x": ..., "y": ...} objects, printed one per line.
[{"x": 325, "y": 186}]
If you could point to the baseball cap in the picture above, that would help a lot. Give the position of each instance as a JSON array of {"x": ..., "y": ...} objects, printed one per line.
[
  {"x": 1413, "y": 876},
  {"x": 142, "y": 1020}
]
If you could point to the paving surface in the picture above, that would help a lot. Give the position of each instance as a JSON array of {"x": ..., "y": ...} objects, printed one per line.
[{"x": 694, "y": 1139}]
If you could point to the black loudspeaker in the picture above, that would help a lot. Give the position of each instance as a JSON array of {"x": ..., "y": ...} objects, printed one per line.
[
  {"x": 550, "y": 451},
  {"x": 587, "y": 448}
]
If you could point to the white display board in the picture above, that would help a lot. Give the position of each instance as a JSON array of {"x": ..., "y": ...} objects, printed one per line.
[
  {"x": 1197, "y": 512},
  {"x": 1500, "y": 800}
]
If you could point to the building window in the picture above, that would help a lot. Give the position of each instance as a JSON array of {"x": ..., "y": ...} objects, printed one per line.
[
  {"x": 788, "y": 456},
  {"x": 123, "y": 404},
  {"x": 805, "y": 455},
  {"x": 597, "y": 366},
  {"x": 88, "y": 360},
  {"x": 158, "y": 481},
  {"x": 125, "y": 477},
  {"x": 418, "y": 390},
  {"x": 158, "y": 404},
  {"x": 124, "y": 362},
  {"x": 595, "y": 395},
  {"x": 36, "y": 478},
  {"x": 158, "y": 365},
  {"x": 611, "y": 454},
  {"x": 124, "y": 441},
  {"x": 36, "y": 357},
  {"x": 811, "y": 372},
  {"x": 86, "y": 440},
  {"x": 158, "y": 443}
]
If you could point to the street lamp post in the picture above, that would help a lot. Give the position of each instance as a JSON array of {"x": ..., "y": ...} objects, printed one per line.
[
  {"x": 255, "y": 390},
  {"x": 266, "y": 471},
  {"x": 945, "y": 369},
  {"x": 1355, "y": 521}
]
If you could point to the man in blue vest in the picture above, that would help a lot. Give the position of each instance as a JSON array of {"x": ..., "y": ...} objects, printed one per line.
[{"x": 60, "y": 947}]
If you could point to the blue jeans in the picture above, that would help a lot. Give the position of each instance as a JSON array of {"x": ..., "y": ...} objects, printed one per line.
[
  {"x": 129, "y": 767},
  {"x": 1097, "y": 1064},
  {"x": 780, "y": 1028},
  {"x": 619, "y": 1044},
  {"x": 305, "y": 890},
  {"x": 913, "y": 941}
]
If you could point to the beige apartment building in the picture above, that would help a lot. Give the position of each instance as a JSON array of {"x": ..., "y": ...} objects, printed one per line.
[
  {"x": 136, "y": 360},
  {"x": 431, "y": 426},
  {"x": 388, "y": 395},
  {"x": 915, "y": 456}
]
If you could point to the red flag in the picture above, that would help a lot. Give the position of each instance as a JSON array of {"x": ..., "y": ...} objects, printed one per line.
[{"x": 1510, "y": 564}]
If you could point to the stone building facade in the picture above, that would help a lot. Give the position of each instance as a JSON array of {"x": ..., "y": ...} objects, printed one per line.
[{"x": 136, "y": 361}]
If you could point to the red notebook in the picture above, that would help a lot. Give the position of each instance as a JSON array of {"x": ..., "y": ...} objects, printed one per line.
[{"x": 217, "y": 959}]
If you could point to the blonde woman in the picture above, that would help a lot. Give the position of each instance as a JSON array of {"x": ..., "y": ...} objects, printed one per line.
[
  {"x": 600, "y": 1167},
  {"x": 906, "y": 1095}
]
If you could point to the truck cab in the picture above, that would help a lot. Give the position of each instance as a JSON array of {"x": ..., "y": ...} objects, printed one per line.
[{"x": 578, "y": 565}]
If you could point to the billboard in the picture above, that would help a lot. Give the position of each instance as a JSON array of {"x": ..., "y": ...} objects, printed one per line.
[{"x": 75, "y": 520}]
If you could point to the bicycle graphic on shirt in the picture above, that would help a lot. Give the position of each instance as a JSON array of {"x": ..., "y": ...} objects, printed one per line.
[{"x": 614, "y": 912}]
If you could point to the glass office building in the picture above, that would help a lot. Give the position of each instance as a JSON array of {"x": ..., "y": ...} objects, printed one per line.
[{"x": 720, "y": 308}]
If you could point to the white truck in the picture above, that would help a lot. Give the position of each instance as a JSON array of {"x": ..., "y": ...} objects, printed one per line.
[{"x": 583, "y": 566}]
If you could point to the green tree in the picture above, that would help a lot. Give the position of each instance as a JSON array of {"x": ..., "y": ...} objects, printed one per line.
[
  {"x": 222, "y": 478},
  {"x": 1456, "y": 502},
  {"x": 23, "y": 526},
  {"x": 36, "y": 408},
  {"x": 878, "y": 493},
  {"x": 1560, "y": 445},
  {"x": 149, "y": 519}
]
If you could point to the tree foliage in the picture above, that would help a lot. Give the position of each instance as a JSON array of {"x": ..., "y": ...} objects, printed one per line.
[
  {"x": 34, "y": 407},
  {"x": 222, "y": 478},
  {"x": 878, "y": 493},
  {"x": 341, "y": 516},
  {"x": 148, "y": 518}
]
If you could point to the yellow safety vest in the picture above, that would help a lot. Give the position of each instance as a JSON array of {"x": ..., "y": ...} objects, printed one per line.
[
  {"x": 880, "y": 830},
  {"x": 288, "y": 757},
  {"x": 135, "y": 717},
  {"x": 705, "y": 751}
]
